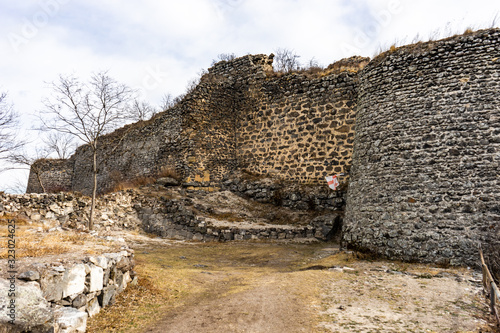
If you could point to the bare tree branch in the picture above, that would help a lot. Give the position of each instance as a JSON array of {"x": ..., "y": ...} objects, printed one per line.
[
  {"x": 87, "y": 111},
  {"x": 141, "y": 110},
  {"x": 27, "y": 161},
  {"x": 62, "y": 144},
  {"x": 286, "y": 60},
  {"x": 8, "y": 125},
  {"x": 167, "y": 102},
  {"x": 224, "y": 57}
]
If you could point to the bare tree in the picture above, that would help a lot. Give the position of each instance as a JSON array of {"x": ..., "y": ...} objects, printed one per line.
[
  {"x": 28, "y": 161},
  {"x": 8, "y": 125},
  {"x": 141, "y": 110},
  {"x": 62, "y": 144},
  {"x": 167, "y": 102},
  {"x": 87, "y": 111},
  {"x": 313, "y": 63},
  {"x": 194, "y": 82},
  {"x": 286, "y": 60},
  {"x": 224, "y": 57}
]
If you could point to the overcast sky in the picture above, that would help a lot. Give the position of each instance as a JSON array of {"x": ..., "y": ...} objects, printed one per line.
[{"x": 158, "y": 46}]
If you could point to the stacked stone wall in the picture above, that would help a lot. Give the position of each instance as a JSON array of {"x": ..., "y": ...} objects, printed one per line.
[
  {"x": 55, "y": 175},
  {"x": 425, "y": 179},
  {"x": 176, "y": 218},
  {"x": 299, "y": 128},
  {"x": 60, "y": 298},
  {"x": 240, "y": 115},
  {"x": 137, "y": 150}
]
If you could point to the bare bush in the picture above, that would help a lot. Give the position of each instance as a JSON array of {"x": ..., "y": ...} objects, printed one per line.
[
  {"x": 167, "y": 101},
  {"x": 62, "y": 144},
  {"x": 224, "y": 57},
  {"x": 141, "y": 110},
  {"x": 8, "y": 125},
  {"x": 28, "y": 161},
  {"x": 286, "y": 61},
  {"x": 193, "y": 83}
]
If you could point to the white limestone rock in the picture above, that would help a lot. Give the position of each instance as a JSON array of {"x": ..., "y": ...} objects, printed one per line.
[
  {"x": 96, "y": 278},
  {"x": 30, "y": 311},
  {"x": 74, "y": 280},
  {"x": 70, "y": 320},
  {"x": 93, "y": 307}
]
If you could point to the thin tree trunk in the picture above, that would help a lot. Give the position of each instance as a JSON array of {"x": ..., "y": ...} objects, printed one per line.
[
  {"x": 37, "y": 173},
  {"x": 94, "y": 190}
]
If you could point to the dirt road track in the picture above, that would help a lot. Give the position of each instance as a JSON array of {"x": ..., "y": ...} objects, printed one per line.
[{"x": 273, "y": 287}]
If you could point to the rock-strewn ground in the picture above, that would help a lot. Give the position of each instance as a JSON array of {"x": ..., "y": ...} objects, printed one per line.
[
  {"x": 243, "y": 286},
  {"x": 289, "y": 287}
]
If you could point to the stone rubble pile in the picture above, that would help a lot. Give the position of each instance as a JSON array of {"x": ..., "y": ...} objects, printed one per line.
[{"x": 113, "y": 211}]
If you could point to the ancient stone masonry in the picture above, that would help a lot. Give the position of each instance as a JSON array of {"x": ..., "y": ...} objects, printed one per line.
[
  {"x": 425, "y": 178},
  {"x": 240, "y": 115},
  {"x": 419, "y": 124},
  {"x": 60, "y": 298},
  {"x": 298, "y": 127},
  {"x": 55, "y": 174}
]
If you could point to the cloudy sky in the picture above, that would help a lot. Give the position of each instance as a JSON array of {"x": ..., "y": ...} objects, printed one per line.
[{"x": 157, "y": 46}]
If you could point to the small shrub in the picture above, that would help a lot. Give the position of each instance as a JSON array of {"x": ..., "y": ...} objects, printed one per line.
[
  {"x": 286, "y": 61},
  {"x": 169, "y": 172},
  {"x": 468, "y": 31},
  {"x": 58, "y": 189},
  {"x": 224, "y": 57}
]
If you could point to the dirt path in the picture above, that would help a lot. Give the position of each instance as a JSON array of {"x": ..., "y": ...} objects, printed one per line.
[
  {"x": 265, "y": 306},
  {"x": 271, "y": 287}
]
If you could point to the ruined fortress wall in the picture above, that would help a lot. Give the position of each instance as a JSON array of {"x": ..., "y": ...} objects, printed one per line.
[
  {"x": 299, "y": 127},
  {"x": 425, "y": 180},
  {"x": 241, "y": 115},
  {"x": 195, "y": 138},
  {"x": 136, "y": 150},
  {"x": 55, "y": 175}
]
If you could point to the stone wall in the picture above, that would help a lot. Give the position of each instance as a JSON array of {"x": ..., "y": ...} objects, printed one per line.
[
  {"x": 425, "y": 180},
  {"x": 287, "y": 193},
  {"x": 55, "y": 174},
  {"x": 60, "y": 298},
  {"x": 296, "y": 126},
  {"x": 140, "y": 149},
  {"x": 426, "y": 149},
  {"x": 299, "y": 127},
  {"x": 113, "y": 211}
]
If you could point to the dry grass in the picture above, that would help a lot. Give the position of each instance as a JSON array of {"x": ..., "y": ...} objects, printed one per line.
[
  {"x": 131, "y": 184},
  {"x": 169, "y": 172},
  {"x": 179, "y": 275},
  {"x": 351, "y": 65},
  {"x": 33, "y": 242},
  {"x": 418, "y": 46},
  {"x": 122, "y": 184}
]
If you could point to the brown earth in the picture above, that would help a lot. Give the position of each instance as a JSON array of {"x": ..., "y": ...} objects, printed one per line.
[{"x": 289, "y": 287}]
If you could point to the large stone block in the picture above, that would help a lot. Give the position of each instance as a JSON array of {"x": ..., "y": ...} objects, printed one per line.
[
  {"x": 100, "y": 261},
  {"x": 51, "y": 284},
  {"x": 96, "y": 278},
  {"x": 70, "y": 320},
  {"x": 32, "y": 312},
  {"x": 74, "y": 280},
  {"x": 93, "y": 307},
  {"x": 108, "y": 295}
]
